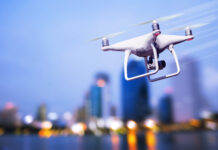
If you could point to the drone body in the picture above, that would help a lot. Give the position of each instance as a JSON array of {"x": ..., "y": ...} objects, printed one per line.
[
  {"x": 149, "y": 46},
  {"x": 141, "y": 46}
]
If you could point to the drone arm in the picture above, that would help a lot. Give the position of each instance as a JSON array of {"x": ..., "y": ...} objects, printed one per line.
[
  {"x": 127, "y": 54},
  {"x": 171, "y": 49}
]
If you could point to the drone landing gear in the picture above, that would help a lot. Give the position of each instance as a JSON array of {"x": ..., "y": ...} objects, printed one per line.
[
  {"x": 162, "y": 64},
  {"x": 152, "y": 64},
  {"x": 156, "y": 67}
]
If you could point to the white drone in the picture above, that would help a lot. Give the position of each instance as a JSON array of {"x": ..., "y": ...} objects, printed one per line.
[{"x": 149, "y": 46}]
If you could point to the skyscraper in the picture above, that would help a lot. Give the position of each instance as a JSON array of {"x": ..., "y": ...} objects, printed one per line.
[
  {"x": 99, "y": 96},
  {"x": 9, "y": 115},
  {"x": 96, "y": 101},
  {"x": 41, "y": 113},
  {"x": 81, "y": 114},
  {"x": 87, "y": 105},
  {"x": 135, "y": 94},
  {"x": 165, "y": 109},
  {"x": 188, "y": 101}
]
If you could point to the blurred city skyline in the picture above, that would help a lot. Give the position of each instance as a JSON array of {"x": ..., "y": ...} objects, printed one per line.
[{"x": 46, "y": 58}]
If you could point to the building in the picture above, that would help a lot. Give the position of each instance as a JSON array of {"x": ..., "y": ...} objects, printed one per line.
[
  {"x": 165, "y": 110},
  {"x": 96, "y": 101},
  {"x": 188, "y": 101},
  {"x": 41, "y": 113},
  {"x": 9, "y": 116},
  {"x": 81, "y": 114},
  {"x": 87, "y": 107},
  {"x": 135, "y": 94},
  {"x": 113, "y": 111},
  {"x": 99, "y": 97}
]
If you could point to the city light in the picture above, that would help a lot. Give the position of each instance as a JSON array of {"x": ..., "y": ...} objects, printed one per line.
[
  {"x": 100, "y": 123},
  {"x": 28, "y": 119},
  {"x": 115, "y": 141},
  {"x": 131, "y": 125},
  {"x": 67, "y": 116},
  {"x": 205, "y": 114},
  {"x": 211, "y": 125},
  {"x": 52, "y": 116},
  {"x": 149, "y": 123},
  {"x": 78, "y": 128},
  {"x": 46, "y": 125},
  {"x": 44, "y": 133},
  {"x": 150, "y": 140},
  {"x": 195, "y": 123},
  {"x": 92, "y": 125},
  {"x": 132, "y": 140},
  {"x": 9, "y": 105},
  {"x": 115, "y": 124},
  {"x": 101, "y": 83},
  {"x": 1, "y": 131}
]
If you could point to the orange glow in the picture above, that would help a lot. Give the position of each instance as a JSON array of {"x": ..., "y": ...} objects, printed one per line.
[
  {"x": 101, "y": 83},
  {"x": 45, "y": 133},
  {"x": 150, "y": 140},
  {"x": 195, "y": 123},
  {"x": 115, "y": 142},
  {"x": 1, "y": 131},
  {"x": 132, "y": 140}
]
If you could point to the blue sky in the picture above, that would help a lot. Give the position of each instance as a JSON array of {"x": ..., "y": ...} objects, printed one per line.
[{"x": 45, "y": 56}]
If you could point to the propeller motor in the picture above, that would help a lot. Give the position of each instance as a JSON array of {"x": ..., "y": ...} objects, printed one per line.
[
  {"x": 188, "y": 31},
  {"x": 105, "y": 42},
  {"x": 156, "y": 28}
]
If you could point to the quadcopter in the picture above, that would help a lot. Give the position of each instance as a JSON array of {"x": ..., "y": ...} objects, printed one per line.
[{"x": 149, "y": 46}]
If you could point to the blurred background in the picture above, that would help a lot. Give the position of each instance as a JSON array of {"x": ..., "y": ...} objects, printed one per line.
[{"x": 58, "y": 90}]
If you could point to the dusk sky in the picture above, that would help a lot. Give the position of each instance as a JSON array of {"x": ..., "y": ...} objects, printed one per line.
[{"x": 46, "y": 56}]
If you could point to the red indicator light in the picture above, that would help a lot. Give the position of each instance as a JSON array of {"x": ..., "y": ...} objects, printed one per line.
[
  {"x": 157, "y": 33},
  {"x": 189, "y": 39}
]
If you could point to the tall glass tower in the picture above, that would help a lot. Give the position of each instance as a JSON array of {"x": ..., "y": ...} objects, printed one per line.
[
  {"x": 96, "y": 101},
  {"x": 135, "y": 94},
  {"x": 165, "y": 109},
  {"x": 99, "y": 96},
  {"x": 188, "y": 100}
]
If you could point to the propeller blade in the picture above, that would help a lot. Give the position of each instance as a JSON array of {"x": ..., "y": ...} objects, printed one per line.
[
  {"x": 143, "y": 23},
  {"x": 114, "y": 34},
  {"x": 169, "y": 17},
  {"x": 194, "y": 26},
  {"x": 108, "y": 36},
  {"x": 161, "y": 19},
  {"x": 95, "y": 39}
]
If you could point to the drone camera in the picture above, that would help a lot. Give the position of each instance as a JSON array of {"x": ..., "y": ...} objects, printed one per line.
[
  {"x": 161, "y": 64},
  {"x": 105, "y": 42}
]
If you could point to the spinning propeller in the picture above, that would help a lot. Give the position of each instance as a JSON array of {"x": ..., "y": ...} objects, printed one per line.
[
  {"x": 108, "y": 36},
  {"x": 155, "y": 26},
  {"x": 161, "y": 19},
  {"x": 193, "y": 26}
]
